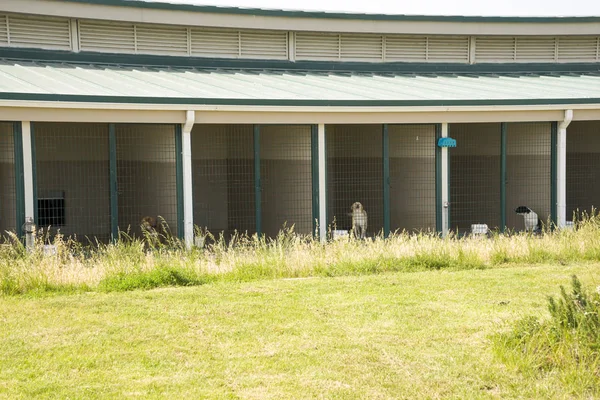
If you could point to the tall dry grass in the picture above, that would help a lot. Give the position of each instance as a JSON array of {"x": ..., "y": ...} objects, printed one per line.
[{"x": 131, "y": 263}]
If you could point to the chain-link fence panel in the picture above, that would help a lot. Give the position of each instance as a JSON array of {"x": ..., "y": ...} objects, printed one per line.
[
  {"x": 583, "y": 168},
  {"x": 72, "y": 176},
  {"x": 475, "y": 179},
  {"x": 412, "y": 177},
  {"x": 355, "y": 174},
  {"x": 223, "y": 178}
]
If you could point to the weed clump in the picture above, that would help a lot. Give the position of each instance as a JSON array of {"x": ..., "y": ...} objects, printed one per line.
[{"x": 567, "y": 344}]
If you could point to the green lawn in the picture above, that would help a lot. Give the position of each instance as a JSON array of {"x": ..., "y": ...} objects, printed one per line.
[{"x": 396, "y": 335}]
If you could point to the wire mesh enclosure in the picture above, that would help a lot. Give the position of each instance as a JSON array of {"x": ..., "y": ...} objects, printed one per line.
[
  {"x": 355, "y": 174},
  {"x": 286, "y": 178},
  {"x": 583, "y": 167},
  {"x": 8, "y": 193},
  {"x": 412, "y": 177},
  {"x": 72, "y": 175},
  {"x": 528, "y": 171},
  {"x": 146, "y": 175},
  {"x": 223, "y": 178},
  {"x": 475, "y": 176}
]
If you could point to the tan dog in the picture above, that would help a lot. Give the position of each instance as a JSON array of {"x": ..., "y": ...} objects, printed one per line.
[{"x": 359, "y": 220}]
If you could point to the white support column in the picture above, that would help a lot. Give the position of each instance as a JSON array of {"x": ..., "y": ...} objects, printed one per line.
[
  {"x": 322, "y": 185},
  {"x": 188, "y": 201},
  {"x": 74, "y": 29},
  {"x": 472, "y": 47},
  {"x": 445, "y": 185},
  {"x": 28, "y": 170},
  {"x": 291, "y": 46},
  {"x": 561, "y": 170}
]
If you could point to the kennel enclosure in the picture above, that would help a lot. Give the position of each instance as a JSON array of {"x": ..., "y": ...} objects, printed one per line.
[
  {"x": 11, "y": 208},
  {"x": 253, "y": 178},
  {"x": 93, "y": 181},
  {"x": 582, "y": 169},
  {"x": 498, "y": 167}
]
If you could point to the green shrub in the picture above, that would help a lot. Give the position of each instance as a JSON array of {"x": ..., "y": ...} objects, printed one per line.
[
  {"x": 567, "y": 344},
  {"x": 157, "y": 277}
]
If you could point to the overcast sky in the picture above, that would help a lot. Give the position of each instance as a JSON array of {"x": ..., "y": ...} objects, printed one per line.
[{"x": 421, "y": 7}]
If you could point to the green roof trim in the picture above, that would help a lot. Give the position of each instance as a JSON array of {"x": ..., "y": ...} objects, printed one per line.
[
  {"x": 57, "y": 56},
  {"x": 328, "y": 15},
  {"x": 288, "y": 102}
]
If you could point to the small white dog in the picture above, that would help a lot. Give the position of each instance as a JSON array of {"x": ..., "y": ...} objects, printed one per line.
[
  {"x": 359, "y": 220},
  {"x": 532, "y": 222}
]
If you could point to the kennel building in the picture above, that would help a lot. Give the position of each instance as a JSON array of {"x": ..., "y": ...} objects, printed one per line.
[{"x": 248, "y": 120}]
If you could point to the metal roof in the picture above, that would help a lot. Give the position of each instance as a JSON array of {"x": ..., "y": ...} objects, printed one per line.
[
  {"x": 332, "y": 15},
  {"x": 46, "y": 81}
]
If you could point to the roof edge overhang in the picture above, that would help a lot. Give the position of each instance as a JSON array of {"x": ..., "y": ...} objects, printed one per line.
[
  {"x": 231, "y": 114},
  {"x": 245, "y": 18},
  {"x": 140, "y": 60},
  {"x": 163, "y": 5},
  {"x": 371, "y": 108},
  {"x": 350, "y": 104}
]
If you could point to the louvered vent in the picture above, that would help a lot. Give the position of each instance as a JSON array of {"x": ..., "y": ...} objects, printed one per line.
[
  {"x": 18, "y": 30},
  {"x": 578, "y": 48},
  {"x": 536, "y": 49},
  {"x": 448, "y": 49},
  {"x": 355, "y": 47},
  {"x": 265, "y": 44},
  {"x": 38, "y": 32},
  {"x": 495, "y": 49},
  {"x": 235, "y": 44},
  {"x": 361, "y": 47},
  {"x": 406, "y": 48},
  {"x": 519, "y": 49},
  {"x": 162, "y": 39},
  {"x": 109, "y": 37},
  {"x": 3, "y": 30},
  {"x": 317, "y": 46},
  {"x": 215, "y": 43}
]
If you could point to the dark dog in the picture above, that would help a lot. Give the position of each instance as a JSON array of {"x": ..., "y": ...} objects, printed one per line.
[
  {"x": 532, "y": 222},
  {"x": 150, "y": 230}
]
